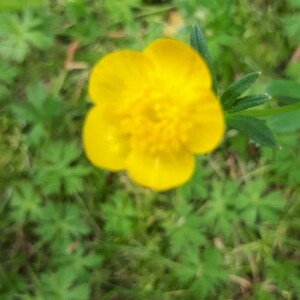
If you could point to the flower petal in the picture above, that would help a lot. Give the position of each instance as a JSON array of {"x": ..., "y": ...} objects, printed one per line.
[
  {"x": 103, "y": 141},
  {"x": 208, "y": 132},
  {"x": 160, "y": 172},
  {"x": 179, "y": 67},
  {"x": 118, "y": 75}
]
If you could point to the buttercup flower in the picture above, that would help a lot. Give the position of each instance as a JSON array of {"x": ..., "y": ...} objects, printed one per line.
[{"x": 153, "y": 111}]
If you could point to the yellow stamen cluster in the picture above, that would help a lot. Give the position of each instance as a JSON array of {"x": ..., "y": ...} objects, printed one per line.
[{"x": 156, "y": 123}]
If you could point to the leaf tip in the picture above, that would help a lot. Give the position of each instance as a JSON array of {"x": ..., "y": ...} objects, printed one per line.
[{"x": 269, "y": 97}]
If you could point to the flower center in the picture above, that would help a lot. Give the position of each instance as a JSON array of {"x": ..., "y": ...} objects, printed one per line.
[{"x": 156, "y": 123}]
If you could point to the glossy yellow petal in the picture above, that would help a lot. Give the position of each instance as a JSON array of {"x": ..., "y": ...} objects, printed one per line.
[
  {"x": 160, "y": 172},
  {"x": 179, "y": 68},
  {"x": 209, "y": 125},
  {"x": 119, "y": 75},
  {"x": 104, "y": 144}
]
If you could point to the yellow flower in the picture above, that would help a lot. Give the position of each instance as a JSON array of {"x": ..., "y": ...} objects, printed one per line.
[{"x": 153, "y": 111}]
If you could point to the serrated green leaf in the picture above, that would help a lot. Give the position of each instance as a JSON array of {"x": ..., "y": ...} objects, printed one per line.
[
  {"x": 219, "y": 213},
  {"x": 19, "y": 33},
  {"x": 204, "y": 272},
  {"x": 119, "y": 215},
  {"x": 254, "y": 204},
  {"x": 61, "y": 222},
  {"x": 25, "y": 203},
  {"x": 237, "y": 89},
  {"x": 254, "y": 128},
  {"x": 69, "y": 287},
  {"x": 198, "y": 42},
  {"x": 248, "y": 101},
  {"x": 59, "y": 171},
  {"x": 184, "y": 228}
]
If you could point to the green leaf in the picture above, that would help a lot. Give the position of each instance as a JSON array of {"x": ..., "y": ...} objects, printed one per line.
[
  {"x": 25, "y": 203},
  {"x": 40, "y": 112},
  {"x": 237, "y": 89},
  {"x": 286, "y": 91},
  {"x": 248, "y": 101},
  {"x": 254, "y": 128},
  {"x": 284, "y": 165},
  {"x": 63, "y": 284},
  {"x": 284, "y": 122},
  {"x": 198, "y": 42},
  {"x": 184, "y": 228},
  {"x": 59, "y": 171},
  {"x": 61, "y": 222},
  {"x": 280, "y": 119},
  {"x": 253, "y": 204},
  {"x": 119, "y": 214},
  {"x": 121, "y": 11},
  {"x": 219, "y": 213},
  {"x": 19, "y": 33},
  {"x": 204, "y": 273}
]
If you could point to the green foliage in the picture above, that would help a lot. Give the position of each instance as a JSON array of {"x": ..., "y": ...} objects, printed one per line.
[
  {"x": 291, "y": 21},
  {"x": 65, "y": 279},
  {"x": 198, "y": 42},
  {"x": 253, "y": 204},
  {"x": 286, "y": 91},
  {"x": 121, "y": 11},
  {"x": 285, "y": 274},
  {"x": 285, "y": 165},
  {"x": 25, "y": 203},
  {"x": 59, "y": 174},
  {"x": 254, "y": 128},
  {"x": 120, "y": 215},
  {"x": 204, "y": 271},
  {"x": 13, "y": 149},
  {"x": 40, "y": 112},
  {"x": 230, "y": 97},
  {"x": 84, "y": 21},
  {"x": 220, "y": 213},
  {"x": 17, "y": 4},
  {"x": 19, "y": 34},
  {"x": 196, "y": 187},
  {"x": 60, "y": 223},
  {"x": 286, "y": 120},
  {"x": 72, "y": 231},
  {"x": 7, "y": 75},
  {"x": 184, "y": 229},
  {"x": 248, "y": 102},
  {"x": 224, "y": 25}
]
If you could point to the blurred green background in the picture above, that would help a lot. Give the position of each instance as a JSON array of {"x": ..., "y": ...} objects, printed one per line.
[{"x": 70, "y": 231}]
